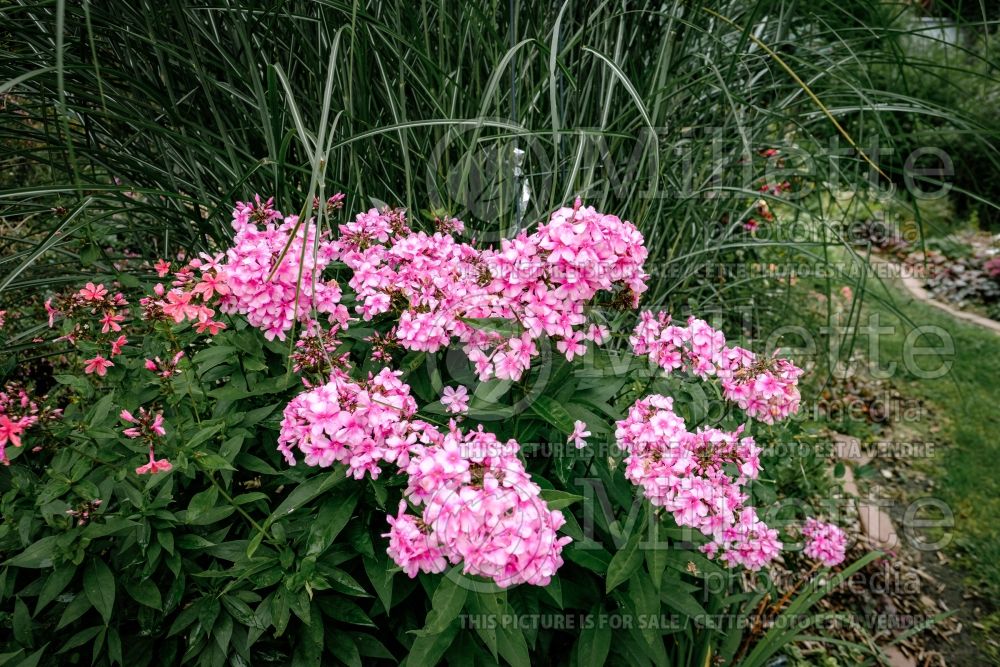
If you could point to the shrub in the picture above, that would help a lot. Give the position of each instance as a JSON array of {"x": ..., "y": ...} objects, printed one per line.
[{"x": 231, "y": 444}]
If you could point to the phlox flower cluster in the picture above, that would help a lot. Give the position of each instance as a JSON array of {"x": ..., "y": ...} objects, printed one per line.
[
  {"x": 314, "y": 353},
  {"x": 147, "y": 425},
  {"x": 107, "y": 311},
  {"x": 765, "y": 388},
  {"x": 538, "y": 283},
  {"x": 479, "y": 507},
  {"x": 431, "y": 281},
  {"x": 83, "y": 511},
  {"x": 686, "y": 473},
  {"x": 546, "y": 279},
  {"x": 825, "y": 542},
  {"x": 273, "y": 272},
  {"x": 357, "y": 424},
  {"x": 193, "y": 287},
  {"x": 19, "y": 412},
  {"x": 165, "y": 369}
]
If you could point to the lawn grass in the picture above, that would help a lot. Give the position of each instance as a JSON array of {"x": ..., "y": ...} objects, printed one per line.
[{"x": 965, "y": 405}]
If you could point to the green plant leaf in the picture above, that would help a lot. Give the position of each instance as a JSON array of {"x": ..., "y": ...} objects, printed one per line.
[
  {"x": 552, "y": 412},
  {"x": 333, "y": 515},
  {"x": 38, "y": 554},
  {"x": 624, "y": 562},
  {"x": 144, "y": 592},
  {"x": 446, "y": 604},
  {"x": 99, "y": 586},
  {"x": 594, "y": 644}
]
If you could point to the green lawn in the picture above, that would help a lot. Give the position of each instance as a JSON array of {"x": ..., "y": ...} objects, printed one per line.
[{"x": 965, "y": 406}]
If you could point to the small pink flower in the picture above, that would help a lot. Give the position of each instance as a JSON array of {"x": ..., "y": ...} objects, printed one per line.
[
  {"x": 52, "y": 312},
  {"x": 455, "y": 400},
  {"x": 110, "y": 322},
  {"x": 579, "y": 434},
  {"x": 210, "y": 325},
  {"x": 210, "y": 285},
  {"x": 157, "y": 425},
  {"x": 825, "y": 542},
  {"x": 154, "y": 466},
  {"x": 117, "y": 345},
  {"x": 98, "y": 365},
  {"x": 162, "y": 267},
  {"x": 10, "y": 431},
  {"x": 92, "y": 292}
]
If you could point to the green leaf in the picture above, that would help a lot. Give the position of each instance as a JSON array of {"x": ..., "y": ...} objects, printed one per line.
[
  {"x": 80, "y": 638},
  {"x": 557, "y": 500},
  {"x": 552, "y": 412},
  {"x": 345, "y": 611},
  {"x": 33, "y": 659},
  {"x": 683, "y": 602},
  {"x": 55, "y": 583},
  {"x": 144, "y": 592},
  {"x": 90, "y": 254},
  {"x": 99, "y": 586},
  {"x": 214, "y": 355},
  {"x": 512, "y": 645},
  {"x": 22, "y": 623},
  {"x": 333, "y": 515},
  {"x": 429, "y": 649},
  {"x": 101, "y": 409},
  {"x": 446, "y": 604},
  {"x": 507, "y": 328},
  {"x": 594, "y": 644},
  {"x": 77, "y": 607},
  {"x": 204, "y": 434},
  {"x": 625, "y": 562},
  {"x": 115, "y": 646},
  {"x": 37, "y": 555},
  {"x": 201, "y": 503},
  {"x": 380, "y": 575},
  {"x": 211, "y": 461},
  {"x": 342, "y": 645},
  {"x": 656, "y": 557},
  {"x": 589, "y": 555},
  {"x": 305, "y": 492}
]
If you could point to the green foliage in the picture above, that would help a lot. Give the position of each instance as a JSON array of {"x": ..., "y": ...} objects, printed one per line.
[
  {"x": 142, "y": 123},
  {"x": 233, "y": 557}
]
